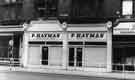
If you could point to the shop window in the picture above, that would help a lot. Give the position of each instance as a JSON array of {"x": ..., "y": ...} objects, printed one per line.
[
  {"x": 123, "y": 56},
  {"x": 46, "y": 8},
  {"x": 4, "y": 47}
]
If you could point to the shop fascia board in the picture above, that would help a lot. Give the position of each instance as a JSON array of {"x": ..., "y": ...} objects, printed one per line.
[
  {"x": 87, "y": 27},
  {"x": 56, "y": 26},
  {"x": 125, "y": 26},
  {"x": 11, "y": 28},
  {"x": 44, "y": 26}
]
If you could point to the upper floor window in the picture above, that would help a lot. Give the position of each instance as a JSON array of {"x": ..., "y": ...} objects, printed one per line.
[
  {"x": 96, "y": 8},
  {"x": 11, "y": 11},
  {"x": 46, "y": 8},
  {"x": 127, "y": 7}
]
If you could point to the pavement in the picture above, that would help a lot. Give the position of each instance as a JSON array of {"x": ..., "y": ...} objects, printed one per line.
[
  {"x": 115, "y": 75},
  {"x": 17, "y": 75}
]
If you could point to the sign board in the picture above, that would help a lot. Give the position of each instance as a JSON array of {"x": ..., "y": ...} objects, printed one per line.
[
  {"x": 124, "y": 29},
  {"x": 87, "y": 36},
  {"x": 45, "y": 36}
]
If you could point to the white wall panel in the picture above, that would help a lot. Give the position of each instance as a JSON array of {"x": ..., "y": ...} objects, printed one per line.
[
  {"x": 34, "y": 55},
  {"x": 55, "y": 56},
  {"x": 95, "y": 57}
]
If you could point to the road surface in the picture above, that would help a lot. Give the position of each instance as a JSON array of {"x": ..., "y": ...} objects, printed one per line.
[{"x": 42, "y": 76}]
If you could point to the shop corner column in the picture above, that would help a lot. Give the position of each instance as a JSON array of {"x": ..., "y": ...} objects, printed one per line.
[
  {"x": 25, "y": 49},
  {"x": 65, "y": 46},
  {"x": 65, "y": 50},
  {"x": 109, "y": 50}
]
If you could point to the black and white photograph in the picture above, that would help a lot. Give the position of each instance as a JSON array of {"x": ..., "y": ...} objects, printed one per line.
[{"x": 67, "y": 39}]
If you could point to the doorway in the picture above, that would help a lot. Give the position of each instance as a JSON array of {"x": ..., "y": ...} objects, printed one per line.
[
  {"x": 75, "y": 57},
  {"x": 44, "y": 55},
  {"x": 51, "y": 55}
]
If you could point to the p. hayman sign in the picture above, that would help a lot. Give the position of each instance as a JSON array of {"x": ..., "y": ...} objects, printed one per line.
[
  {"x": 72, "y": 36},
  {"x": 41, "y": 36},
  {"x": 87, "y": 36}
]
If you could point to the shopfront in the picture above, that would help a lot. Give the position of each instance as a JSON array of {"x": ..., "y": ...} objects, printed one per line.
[
  {"x": 87, "y": 49},
  {"x": 123, "y": 47},
  {"x": 78, "y": 48},
  {"x": 43, "y": 45},
  {"x": 45, "y": 48},
  {"x": 10, "y": 45}
]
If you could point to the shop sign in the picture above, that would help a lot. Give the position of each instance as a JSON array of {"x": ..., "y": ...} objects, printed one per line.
[
  {"x": 41, "y": 36},
  {"x": 124, "y": 29},
  {"x": 88, "y": 36}
]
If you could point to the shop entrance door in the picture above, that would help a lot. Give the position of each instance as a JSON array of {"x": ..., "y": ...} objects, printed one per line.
[{"x": 75, "y": 57}]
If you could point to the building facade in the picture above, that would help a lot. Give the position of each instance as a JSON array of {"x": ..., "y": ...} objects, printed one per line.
[
  {"x": 85, "y": 37},
  {"x": 78, "y": 47},
  {"x": 63, "y": 34},
  {"x": 11, "y": 32}
]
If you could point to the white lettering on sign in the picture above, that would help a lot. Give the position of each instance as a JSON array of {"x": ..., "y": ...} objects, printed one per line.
[
  {"x": 45, "y": 36},
  {"x": 88, "y": 36}
]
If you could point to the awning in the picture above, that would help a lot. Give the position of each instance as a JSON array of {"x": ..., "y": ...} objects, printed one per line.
[
  {"x": 124, "y": 28},
  {"x": 17, "y": 28}
]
